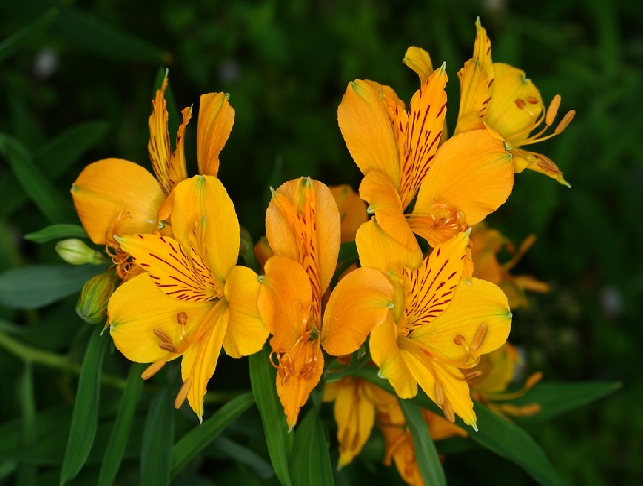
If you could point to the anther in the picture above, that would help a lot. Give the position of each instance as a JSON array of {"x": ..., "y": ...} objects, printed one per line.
[
  {"x": 479, "y": 337},
  {"x": 520, "y": 103},
  {"x": 473, "y": 375},
  {"x": 162, "y": 335},
  {"x": 438, "y": 389},
  {"x": 448, "y": 411},
  {"x": 182, "y": 318},
  {"x": 183, "y": 393},
  {"x": 152, "y": 369},
  {"x": 167, "y": 347}
]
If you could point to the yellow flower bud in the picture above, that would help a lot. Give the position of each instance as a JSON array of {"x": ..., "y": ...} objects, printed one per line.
[
  {"x": 77, "y": 252},
  {"x": 92, "y": 303}
]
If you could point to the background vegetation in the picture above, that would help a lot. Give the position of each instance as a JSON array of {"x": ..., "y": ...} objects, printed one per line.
[{"x": 286, "y": 66}]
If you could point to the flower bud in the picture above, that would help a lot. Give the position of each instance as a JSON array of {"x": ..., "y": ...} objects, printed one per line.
[
  {"x": 77, "y": 252},
  {"x": 92, "y": 303}
]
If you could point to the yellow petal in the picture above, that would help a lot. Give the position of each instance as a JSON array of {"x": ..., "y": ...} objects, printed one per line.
[
  {"x": 177, "y": 171},
  {"x": 115, "y": 196},
  {"x": 475, "y": 94},
  {"x": 200, "y": 360},
  {"x": 385, "y": 202},
  {"x": 440, "y": 428},
  {"x": 216, "y": 118},
  {"x": 538, "y": 163},
  {"x": 471, "y": 174},
  {"x": 169, "y": 266},
  {"x": 366, "y": 127},
  {"x": 246, "y": 332},
  {"x": 480, "y": 303},
  {"x": 427, "y": 112},
  {"x": 386, "y": 354},
  {"x": 303, "y": 223},
  {"x": 159, "y": 145},
  {"x": 359, "y": 303},
  {"x": 202, "y": 205},
  {"x": 419, "y": 61},
  {"x": 138, "y": 307},
  {"x": 516, "y": 104},
  {"x": 352, "y": 210}
]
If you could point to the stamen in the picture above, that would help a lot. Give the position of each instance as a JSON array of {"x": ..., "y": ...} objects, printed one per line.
[
  {"x": 472, "y": 376},
  {"x": 168, "y": 347},
  {"x": 448, "y": 411},
  {"x": 552, "y": 110},
  {"x": 567, "y": 119},
  {"x": 152, "y": 369},
  {"x": 533, "y": 379},
  {"x": 162, "y": 335},
  {"x": 438, "y": 389},
  {"x": 182, "y": 318},
  {"x": 183, "y": 393},
  {"x": 478, "y": 339},
  {"x": 520, "y": 103}
]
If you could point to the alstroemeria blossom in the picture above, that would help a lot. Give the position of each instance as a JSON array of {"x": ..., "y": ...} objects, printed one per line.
[
  {"x": 193, "y": 299},
  {"x": 303, "y": 229},
  {"x": 441, "y": 322},
  {"x": 115, "y": 197},
  {"x": 502, "y": 98}
]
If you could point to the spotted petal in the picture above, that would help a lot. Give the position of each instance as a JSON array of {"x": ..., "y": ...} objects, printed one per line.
[{"x": 216, "y": 118}]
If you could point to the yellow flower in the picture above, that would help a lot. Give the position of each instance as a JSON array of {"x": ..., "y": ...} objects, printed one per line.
[
  {"x": 502, "y": 98},
  {"x": 440, "y": 323},
  {"x": 303, "y": 229},
  {"x": 115, "y": 197},
  {"x": 193, "y": 299},
  {"x": 457, "y": 184}
]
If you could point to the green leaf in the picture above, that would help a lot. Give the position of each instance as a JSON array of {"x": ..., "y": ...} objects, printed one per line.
[
  {"x": 198, "y": 438},
  {"x": 55, "y": 207},
  {"x": 264, "y": 389},
  {"x": 510, "y": 441},
  {"x": 243, "y": 455},
  {"x": 158, "y": 439},
  {"x": 31, "y": 287},
  {"x": 56, "y": 232},
  {"x": 98, "y": 37},
  {"x": 556, "y": 398},
  {"x": 85, "y": 417},
  {"x": 120, "y": 431},
  {"x": 310, "y": 461},
  {"x": 27, "y": 472},
  {"x": 425, "y": 453},
  {"x": 27, "y": 34}
]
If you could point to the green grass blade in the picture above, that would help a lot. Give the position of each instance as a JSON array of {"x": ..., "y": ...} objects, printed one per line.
[
  {"x": 84, "y": 420},
  {"x": 310, "y": 461},
  {"x": 57, "y": 232},
  {"x": 198, "y": 438},
  {"x": 158, "y": 439},
  {"x": 27, "y": 34},
  {"x": 120, "y": 431},
  {"x": 425, "y": 452},
  {"x": 278, "y": 440}
]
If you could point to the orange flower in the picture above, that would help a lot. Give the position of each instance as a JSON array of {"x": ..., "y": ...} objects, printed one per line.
[
  {"x": 115, "y": 197},
  {"x": 192, "y": 299},
  {"x": 502, "y": 98},
  {"x": 303, "y": 229}
]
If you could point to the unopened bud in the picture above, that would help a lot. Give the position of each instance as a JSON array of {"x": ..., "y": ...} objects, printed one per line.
[
  {"x": 77, "y": 252},
  {"x": 92, "y": 303}
]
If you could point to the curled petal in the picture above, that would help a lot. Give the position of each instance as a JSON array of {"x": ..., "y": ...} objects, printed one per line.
[{"x": 216, "y": 118}]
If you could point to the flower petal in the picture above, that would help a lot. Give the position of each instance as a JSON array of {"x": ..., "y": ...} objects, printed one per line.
[
  {"x": 115, "y": 196},
  {"x": 177, "y": 170},
  {"x": 138, "y": 307},
  {"x": 246, "y": 332},
  {"x": 359, "y": 303},
  {"x": 419, "y": 61},
  {"x": 159, "y": 145},
  {"x": 216, "y": 118},
  {"x": 366, "y": 127},
  {"x": 177, "y": 275},
  {"x": 352, "y": 210}
]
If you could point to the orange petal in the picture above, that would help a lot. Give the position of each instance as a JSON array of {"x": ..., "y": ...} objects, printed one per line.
[
  {"x": 538, "y": 163},
  {"x": 419, "y": 61},
  {"x": 472, "y": 173},
  {"x": 475, "y": 94},
  {"x": 159, "y": 145},
  {"x": 359, "y": 303},
  {"x": 202, "y": 205},
  {"x": 216, "y": 118},
  {"x": 366, "y": 127},
  {"x": 427, "y": 112},
  {"x": 303, "y": 223},
  {"x": 200, "y": 360},
  {"x": 386, "y": 354},
  {"x": 352, "y": 211},
  {"x": 385, "y": 202},
  {"x": 171, "y": 269},
  {"x": 115, "y": 196},
  {"x": 177, "y": 171},
  {"x": 246, "y": 332},
  {"x": 138, "y": 307}
]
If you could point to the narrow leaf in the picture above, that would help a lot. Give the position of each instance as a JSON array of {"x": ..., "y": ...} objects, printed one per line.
[
  {"x": 85, "y": 416},
  {"x": 508, "y": 440},
  {"x": 310, "y": 462},
  {"x": 98, "y": 37},
  {"x": 243, "y": 455},
  {"x": 55, "y": 207},
  {"x": 56, "y": 232},
  {"x": 26, "y": 34},
  {"x": 198, "y": 438},
  {"x": 120, "y": 431},
  {"x": 158, "y": 439},
  {"x": 27, "y": 472},
  {"x": 556, "y": 398},
  {"x": 425, "y": 452},
  {"x": 278, "y": 440},
  {"x": 31, "y": 287}
]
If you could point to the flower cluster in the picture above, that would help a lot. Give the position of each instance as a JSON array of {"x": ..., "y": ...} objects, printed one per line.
[{"x": 426, "y": 310}]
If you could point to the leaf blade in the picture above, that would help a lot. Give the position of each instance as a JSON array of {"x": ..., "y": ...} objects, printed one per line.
[{"x": 310, "y": 461}]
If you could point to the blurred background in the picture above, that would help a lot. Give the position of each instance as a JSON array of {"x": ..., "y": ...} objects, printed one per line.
[{"x": 286, "y": 66}]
